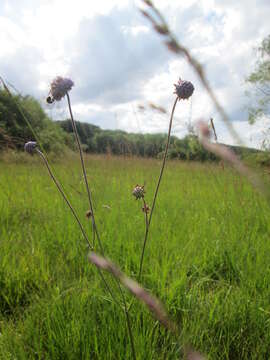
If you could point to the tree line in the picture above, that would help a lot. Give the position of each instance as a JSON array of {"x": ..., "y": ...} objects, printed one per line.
[
  {"x": 117, "y": 142},
  {"x": 22, "y": 119}
]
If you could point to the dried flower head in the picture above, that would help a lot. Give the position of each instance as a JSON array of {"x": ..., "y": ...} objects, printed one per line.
[
  {"x": 138, "y": 192},
  {"x": 88, "y": 214},
  {"x": 30, "y": 147},
  {"x": 146, "y": 208},
  {"x": 183, "y": 89},
  {"x": 59, "y": 87}
]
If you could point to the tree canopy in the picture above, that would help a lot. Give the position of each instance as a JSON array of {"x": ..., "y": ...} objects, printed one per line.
[
  {"x": 15, "y": 130},
  {"x": 259, "y": 80},
  {"x": 56, "y": 136}
]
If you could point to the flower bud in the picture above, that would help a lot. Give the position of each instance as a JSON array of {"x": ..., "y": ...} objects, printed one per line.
[
  {"x": 138, "y": 192},
  {"x": 60, "y": 87},
  {"x": 183, "y": 89},
  {"x": 30, "y": 147}
]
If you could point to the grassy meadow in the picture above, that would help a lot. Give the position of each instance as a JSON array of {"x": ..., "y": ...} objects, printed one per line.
[{"x": 207, "y": 260}]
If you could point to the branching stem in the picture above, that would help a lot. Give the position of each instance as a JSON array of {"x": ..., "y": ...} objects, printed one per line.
[
  {"x": 157, "y": 189},
  {"x": 94, "y": 227}
]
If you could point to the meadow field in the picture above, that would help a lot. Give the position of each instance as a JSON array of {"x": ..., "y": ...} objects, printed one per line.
[{"x": 207, "y": 260}]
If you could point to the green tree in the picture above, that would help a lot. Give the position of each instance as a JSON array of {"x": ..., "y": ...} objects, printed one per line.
[
  {"x": 259, "y": 80},
  {"x": 15, "y": 131}
]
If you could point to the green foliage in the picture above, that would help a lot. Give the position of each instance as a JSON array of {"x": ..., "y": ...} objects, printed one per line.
[
  {"x": 58, "y": 136},
  {"x": 116, "y": 142},
  {"x": 207, "y": 260},
  {"x": 258, "y": 158},
  {"x": 14, "y": 130},
  {"x": 259, "y": 80}
]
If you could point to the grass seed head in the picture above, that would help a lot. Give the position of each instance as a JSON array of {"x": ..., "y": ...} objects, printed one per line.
[
  {"x": 183, "y": 89},
  {"x": 60, "y": 87}
]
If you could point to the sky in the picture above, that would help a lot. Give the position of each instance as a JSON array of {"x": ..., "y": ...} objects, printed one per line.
[{"x": 118, "y": 63}]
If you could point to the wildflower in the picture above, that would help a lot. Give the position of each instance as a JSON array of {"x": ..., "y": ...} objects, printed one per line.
[
  {"x": 30, "y": 147},
  {"x": 146, "y": 208},
  {"x": 183, "y": 89},
  {"x": 59, "y": 88},
  {"x": 138, "y": 192},
  {"x": 88, "y": 214}
]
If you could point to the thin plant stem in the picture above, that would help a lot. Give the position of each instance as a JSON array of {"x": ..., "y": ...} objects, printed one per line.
[
  {"x": 126, "y": 311},
  {"x": 94, "y": 227},
  {"x": 77, "y": 219},
  {"x": 214, "y": 129},
  {"x": 130, "y": 332},
  {"x": 145, "y": 239},
  {"x": 157, "y": 189},
  {"x": 65, "y": 198}
]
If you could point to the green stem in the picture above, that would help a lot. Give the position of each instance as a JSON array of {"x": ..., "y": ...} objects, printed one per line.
[
  {"x": 130, "y": 333},
  {"x": 77, "y": 219},
  {"x": 144, "y": 242},
  {"x": 94, "y": 227},
  {"x": 65, "y": 198},
  {"x": 157, "y": 189},
  {"x": 126, "y": 311}
]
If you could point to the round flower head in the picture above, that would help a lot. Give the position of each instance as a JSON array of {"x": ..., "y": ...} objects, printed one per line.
[
  {"x": 183, "y": 89},
  {"x": 88, "y": 214},
  {"x": 59, "y": 87},
  {"x": 30, "y": 146},
  {"x": 138, "y": 192}
]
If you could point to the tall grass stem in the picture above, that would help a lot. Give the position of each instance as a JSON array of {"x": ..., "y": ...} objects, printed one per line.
[
  {"x": 157, "y": 189},
  {"x": 65, "y": 197},
  {"x": 94, "y": 227},
  {"x": 77, "y": 219}
]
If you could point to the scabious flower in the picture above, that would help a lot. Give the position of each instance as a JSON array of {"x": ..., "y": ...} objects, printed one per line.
[
  {"x": 138, "y": 192},
  {"x": 183, "y": 89},
  {"x": 30, "y": 147},
  {"x": 59, "y": 88}
]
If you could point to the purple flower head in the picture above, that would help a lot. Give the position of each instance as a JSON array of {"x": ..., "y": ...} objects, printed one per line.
[
  {"x": 59, "y": 87},
  {"x": 138, "y": 192},
  {"x": 183, "y": 89},
  {"x": 30, "y": 147}
]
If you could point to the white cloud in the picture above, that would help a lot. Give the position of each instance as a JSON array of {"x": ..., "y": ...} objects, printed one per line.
[{"x": 117, "y": 61}]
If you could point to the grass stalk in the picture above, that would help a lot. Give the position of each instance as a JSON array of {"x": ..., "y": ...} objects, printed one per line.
[
  {"x": 77, "y": 219},
  {"x": 126, "y": 311},
  {"x": 94, "y": 227},
  {"x": 65, "y": 198},
  {"x": 157, "y": 189}
]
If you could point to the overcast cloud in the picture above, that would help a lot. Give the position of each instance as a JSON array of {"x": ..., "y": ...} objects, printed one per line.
[{"x": 117, "y": 62}]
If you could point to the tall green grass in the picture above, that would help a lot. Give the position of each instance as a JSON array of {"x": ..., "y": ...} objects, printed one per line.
[{"x": 208, "y": 260}]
